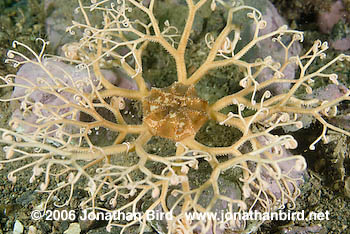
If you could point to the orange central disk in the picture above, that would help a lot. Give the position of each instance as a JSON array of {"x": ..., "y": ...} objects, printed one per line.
[{"x": 175, "y": 112}]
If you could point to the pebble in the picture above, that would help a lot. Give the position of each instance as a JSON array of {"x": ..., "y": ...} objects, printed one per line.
[
  {"x": 74, "y": 228},
  {"x": 32, "y": 230},
  {"x": 18, "y": 227}
]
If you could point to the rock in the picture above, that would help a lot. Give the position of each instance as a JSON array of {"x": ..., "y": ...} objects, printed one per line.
[
  {"x": 18, "y": 228},
  {"x": 327, "y": 19},
  {"x": 31, "y": 75},
  {"x": 269, "y": 47},
  {"x": 335, "y": 22},
  {"x": 32, "y": 230},
  {"x": 60, "y": 15},
  {"x": 87, "y": 224},
  {"x": 341, "y": 44},
  {"x": 74, "y": 228}
]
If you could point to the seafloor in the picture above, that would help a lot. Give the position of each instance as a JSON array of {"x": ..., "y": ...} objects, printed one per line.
[{"x": 328, "y": 166}]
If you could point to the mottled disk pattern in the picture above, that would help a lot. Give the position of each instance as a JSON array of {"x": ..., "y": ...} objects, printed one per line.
[{"x": 175, "y": 112}]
